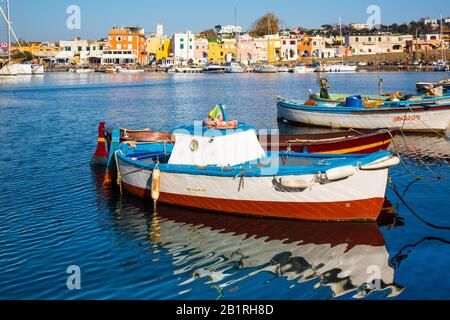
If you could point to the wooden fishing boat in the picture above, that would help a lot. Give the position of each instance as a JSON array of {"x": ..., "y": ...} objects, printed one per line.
[
  {"x": 345, "y": 142},
  {"x": 340, "y": 97},
  {"x": 229, "y": 171},
  {"x": 422, "y": 87},
  {"x": 412, "y": 116}
]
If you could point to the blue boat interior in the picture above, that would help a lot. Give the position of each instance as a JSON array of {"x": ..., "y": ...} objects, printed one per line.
[{"x": 147, "y": 156}]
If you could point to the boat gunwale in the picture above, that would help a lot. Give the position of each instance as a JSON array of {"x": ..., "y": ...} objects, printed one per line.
[{"x": 254, "y": 170}]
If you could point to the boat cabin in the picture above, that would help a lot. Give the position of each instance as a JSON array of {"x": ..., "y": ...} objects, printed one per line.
[{"x": 199, "y": 145}]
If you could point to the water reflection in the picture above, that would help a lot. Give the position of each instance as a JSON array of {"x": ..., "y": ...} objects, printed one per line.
[
  {"x": 431, "y": 149},
  {"x": 224, "y": 251}
]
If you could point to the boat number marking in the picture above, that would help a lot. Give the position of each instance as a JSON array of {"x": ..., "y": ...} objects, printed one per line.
[
  {"x": 414, "y": 117},
  {"x": 194, "y": 189}
]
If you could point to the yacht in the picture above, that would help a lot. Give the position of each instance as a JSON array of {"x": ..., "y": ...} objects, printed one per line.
[
  {"x": 304, "y": 69},
  {"x": 338, "y": 67},
  {"x": 213, "y": 68},
  {"x": 265, "y": 68},
  {"x": 441, "y": 66},
  {"x": 234, "y": 67},
  {"x": 82, "y": 70},
  {"x": 283, "y": 69},
  {"x": 21, "y": 69}
]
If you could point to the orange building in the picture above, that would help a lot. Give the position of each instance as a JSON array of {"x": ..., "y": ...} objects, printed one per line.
[
  {"x": 128, "y": 39},
  {"x": 304, "y": 48}
]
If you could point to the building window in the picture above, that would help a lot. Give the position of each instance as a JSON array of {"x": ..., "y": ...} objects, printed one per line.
[
  {"x": 101, "y": 48},
  {"x": 181, "y": 40},
  {"x": 356, "y": 39},
  {"x": 68, "y": 49},
  {"x": 370, "y": 39},
  {"x": 88, "y": 48},
  {"x": 80, "y": 48},
  {"x": 119, "y": 38},
  {"x": 93, "y": 48},
  {"x": 181, "y": 46}
]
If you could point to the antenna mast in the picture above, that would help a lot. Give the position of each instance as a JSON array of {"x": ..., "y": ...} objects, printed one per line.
[{"x": 9, "y": 29}]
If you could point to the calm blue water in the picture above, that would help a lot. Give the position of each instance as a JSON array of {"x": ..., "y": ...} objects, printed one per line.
[{"x": 55, "y": 213}]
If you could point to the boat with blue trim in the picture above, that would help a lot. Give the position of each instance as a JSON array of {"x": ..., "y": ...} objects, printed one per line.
[
  {"x": 427, "y": 115},
  {"x": 220, "y": 166}
]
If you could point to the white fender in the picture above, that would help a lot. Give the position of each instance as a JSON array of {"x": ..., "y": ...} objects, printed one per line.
[
  {"x": 299, "y": 182},
  {"x": 340, "y": 173},
  {"x": 382, "y": 164}
]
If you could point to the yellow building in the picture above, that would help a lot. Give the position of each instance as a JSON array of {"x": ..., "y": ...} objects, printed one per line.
[
  {"x": 222, "y": 50},
  {"x": 39, "y": 50},
  {"x": 274, "y": 49},
  {"x": 163, "y": 51},
  {"x": 153, "y": 44}
]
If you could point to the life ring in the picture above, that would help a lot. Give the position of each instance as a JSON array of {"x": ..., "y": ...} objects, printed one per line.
[{"x": 222, "y": 125}]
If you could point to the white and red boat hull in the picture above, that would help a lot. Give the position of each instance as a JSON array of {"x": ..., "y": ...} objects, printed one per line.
[
  {"x": 357, "y": 198},
  {"x": 412, "y": 120}
]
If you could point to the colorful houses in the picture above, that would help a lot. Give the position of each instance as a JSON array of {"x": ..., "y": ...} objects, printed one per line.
[{"x": 130, "y": 41}]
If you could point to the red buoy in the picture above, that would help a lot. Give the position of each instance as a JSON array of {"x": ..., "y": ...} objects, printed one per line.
[{"x": 100, "y": 156}]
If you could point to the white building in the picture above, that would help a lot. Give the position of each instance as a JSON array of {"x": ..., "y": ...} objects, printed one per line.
[
  {"x": 79, "y": 50},
  {"x": 159, "y": 30},
  {"x": 289, "y": 49},
  {"x": 429, "y": 37},
  {"x": 118, "y": 57},
  {"x": 375, "y": 44},
  {"x": 228, "y": 29},
  {"x": 430, "y": 21},
  {"x": 183, "y": 47},
  {"x": 322, "y": 48},
  {"x": 360, "y": 26}
]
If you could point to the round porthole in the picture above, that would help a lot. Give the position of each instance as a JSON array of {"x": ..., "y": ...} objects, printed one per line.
[{"x": 194, "y": 145}]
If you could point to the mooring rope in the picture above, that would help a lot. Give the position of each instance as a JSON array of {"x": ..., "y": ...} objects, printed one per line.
[
  {"x": 394, "y": 188},
  {"x": 397, "y": 259},
  {"x": 400, "y": 157},
  {"x": 418, "y": 155},
  {"x": 429, "y": 128}
]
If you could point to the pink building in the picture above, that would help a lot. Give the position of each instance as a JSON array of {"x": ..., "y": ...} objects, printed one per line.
[
  {"x": 251, "y": 50},
  {"x": 201, "y": 50}
]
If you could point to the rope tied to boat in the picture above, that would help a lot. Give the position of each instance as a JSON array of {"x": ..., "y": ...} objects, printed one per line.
[
  {"x": 394, "y": 188},
  {"x": 397, "y": 152}
]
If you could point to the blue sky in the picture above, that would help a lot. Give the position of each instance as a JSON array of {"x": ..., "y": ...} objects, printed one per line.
[{"x": 45, "y": 20}]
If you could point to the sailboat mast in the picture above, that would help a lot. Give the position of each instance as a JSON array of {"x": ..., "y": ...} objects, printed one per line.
[
  {"x": 442, "y": 41},
  {"x": 9, "y": 29},
  {"x": 340, "y": 32}
]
